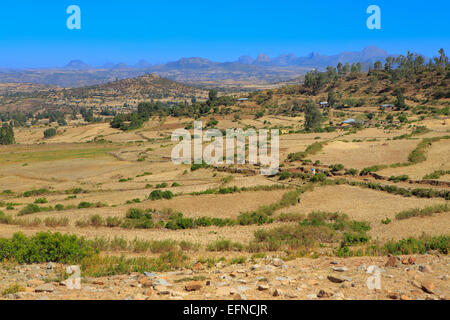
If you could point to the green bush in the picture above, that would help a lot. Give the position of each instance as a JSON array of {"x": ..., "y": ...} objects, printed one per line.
[
  {"x": 45, "y": 247},
  {"x": 29, "y": 209},
  {"x": 85, "y": 205},
  {"x": 49, "y": 133},
  {"x": 158, "y": 194}
]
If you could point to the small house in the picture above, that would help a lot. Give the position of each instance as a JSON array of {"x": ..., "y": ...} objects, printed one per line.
[{"x": 324, "y": 104}]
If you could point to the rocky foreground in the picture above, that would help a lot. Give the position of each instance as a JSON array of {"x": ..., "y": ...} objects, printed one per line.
[{"x": 401, "y": 278}]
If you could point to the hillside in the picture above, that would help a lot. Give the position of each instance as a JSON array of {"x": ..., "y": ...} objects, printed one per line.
[{"x": 113, "y": 94}]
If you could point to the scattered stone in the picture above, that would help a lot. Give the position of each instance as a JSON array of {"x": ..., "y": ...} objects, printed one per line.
[
  {"x": 324, "y": 294},
  {"x": 238, "y": 296},
  {"x": 393, "y": 296},
  {"x": 425, "y": 268},
  {"x": 428, "y": 287},
  {"x": 340, "y": 269},
  {"x": 392, "y": 262},
  {"x": 277, "y": 293},
  {"x": 335, "y": 279},
  {"x": 47, "y": 287},
  {"x": 277, "y": 262},
  {"x": 150, "y": 274},
  {"x": 193, "y": 286}
]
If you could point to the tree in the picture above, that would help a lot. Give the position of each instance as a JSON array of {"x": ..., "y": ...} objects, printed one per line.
[
  {"x": 400, "y": 103},
  {"x": 340, "y": 68},
  {"x": 378, "y": 65},
  {"x": 6, "y": 134},
  {"x": 315, "y": 80},
  {"x": 49, "y": 133},
  {"x": 212, "y": 95},
  {"x": 331, "y": 98},
  {"x": 313, "y": 117}
]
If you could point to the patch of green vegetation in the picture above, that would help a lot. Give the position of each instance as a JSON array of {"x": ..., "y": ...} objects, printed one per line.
[
  {"x": 436, "y": 174},
  {"x": 45, "y": 247},
  {"x": 424, "y": 212}
]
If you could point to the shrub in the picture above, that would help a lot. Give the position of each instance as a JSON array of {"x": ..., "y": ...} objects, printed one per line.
[
  {"x": 45, "y": 247},
  {"x": 285, "y": 175},
  {"x": 96, "y": 221},
  {"x": 56, "y": 222},
  {"x": 49, "y": 133},
  {"x": 417, "y": 212},
  {"x": 113, "y": 222},
  {"x": 158, "y": 194},
  {"x": 41, "y": 200},
  {"x": 37, "y": 192},
  {"x": 180, "y": 223},
  {"x": 29, "y": 209},
  {"x": 85, "y": 205}
]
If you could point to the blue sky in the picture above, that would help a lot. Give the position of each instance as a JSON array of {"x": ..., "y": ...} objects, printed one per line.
[{"x": 34, "y": 33}]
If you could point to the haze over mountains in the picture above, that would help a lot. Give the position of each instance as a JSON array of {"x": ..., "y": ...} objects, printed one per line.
[{"x": 197, "y": 71}]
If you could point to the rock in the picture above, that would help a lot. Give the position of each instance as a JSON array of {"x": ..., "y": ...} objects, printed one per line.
[
  {"x": 150, "y": 293},
  {"x": 162, "y": 290},
  {"x": 160, "y": 282},
  {"x": 404, "y": 297},
  {"x": 238, "y": 296},
  {"x": 392, "y": 262},
  {"x": 198, "y": 266},
  {"x": 324, "y": 294},
  {"x": 254, "y": 267},
  {"x": 277, "y": 262},
  {"x": 50, "y": 266},
  {"x": 335, "y": 279},
  {"x": 393, "y": 296},
  {"x": 45, "y": 288},
  {"x": 334, "y": 262},
  {"x": 425, "y": 268},
  {"x": 277, "y": 293},
  {"x": 145, "y": 282},
  {"x": 193, "y": 286},
  {"x": 311, "y": 296},
  {"x": 150, "y": 274},
  {"x": 98, "y": 283},
  {"x": 428, "y": 287},
  {"x": 412, "y": 260},
  {"x": 263, "y": 287},
  {"x": 340, "y": 269}
]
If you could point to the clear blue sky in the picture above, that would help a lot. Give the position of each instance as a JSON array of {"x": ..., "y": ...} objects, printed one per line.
[{"x": 34, "y": 33}]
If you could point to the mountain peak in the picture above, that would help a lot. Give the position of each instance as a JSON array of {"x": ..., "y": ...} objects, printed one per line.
[{"x": 77, "y": 65}]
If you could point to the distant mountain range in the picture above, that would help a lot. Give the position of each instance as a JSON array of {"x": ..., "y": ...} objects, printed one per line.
[{"x": 197, "y": 71}]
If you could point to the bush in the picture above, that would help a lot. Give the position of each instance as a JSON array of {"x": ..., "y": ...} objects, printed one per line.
[
  {"x": 45, "y": 247},
  {"x": 85, "y": 205},
  {"x": 180, "y": 223},
  {"x": 29, "y": 209},
  {"x": 41, "y": 200},
  {"x": 49, "y": 133},
  {"x": 158, "y": 194},
  {"x": 285, "y": 175}
]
